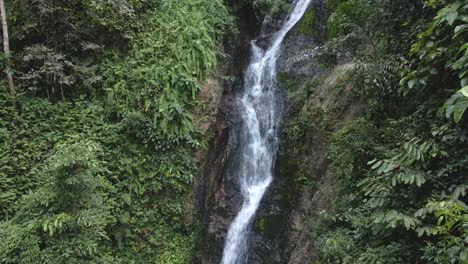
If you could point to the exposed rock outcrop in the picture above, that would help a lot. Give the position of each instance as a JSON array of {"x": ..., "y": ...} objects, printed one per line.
[
  {"x": 216, "y": 194},
  {"x": 284, "y": 228}
]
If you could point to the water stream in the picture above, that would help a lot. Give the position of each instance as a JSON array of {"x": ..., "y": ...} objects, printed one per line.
[{"x": 259, "y": 135}]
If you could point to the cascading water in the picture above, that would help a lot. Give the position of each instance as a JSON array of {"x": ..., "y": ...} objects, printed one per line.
[{"x": 258, "y": 139}]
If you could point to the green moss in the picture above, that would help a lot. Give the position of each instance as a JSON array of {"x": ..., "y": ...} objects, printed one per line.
[
  {"x": 288, "y": 81},
  {"x": 260, "y": 225},
  {"x": 271, "y": 226},
  {"x": 311, "y": 23},
  {"x": 307, "y": 25}
]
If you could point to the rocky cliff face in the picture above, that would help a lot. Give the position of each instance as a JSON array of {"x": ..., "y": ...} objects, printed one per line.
[
  {"x": 283, "y": 231},
  {"x": 279, "y": 222},
  {"x": 303, "y": 165},
  {"x": 217, "y": 197}
]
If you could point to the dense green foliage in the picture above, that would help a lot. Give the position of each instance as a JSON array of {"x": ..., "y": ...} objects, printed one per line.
[
  {"x": 97, "y": 150},
  {"x": 403, "y": 178},
  {"x": 313, "y": 22},
  {"x": 400, "y": 162}
]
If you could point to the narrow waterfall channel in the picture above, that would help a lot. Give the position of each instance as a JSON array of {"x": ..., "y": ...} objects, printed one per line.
[{"x": 259, "y": 136}]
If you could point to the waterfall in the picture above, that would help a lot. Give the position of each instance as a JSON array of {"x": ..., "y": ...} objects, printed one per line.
[{"x": 258, "y": 138}]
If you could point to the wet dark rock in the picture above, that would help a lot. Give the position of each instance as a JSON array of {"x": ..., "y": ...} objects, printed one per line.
[
  {"x": 218, "y": 195},
  {"x": 280, "y": 232}
]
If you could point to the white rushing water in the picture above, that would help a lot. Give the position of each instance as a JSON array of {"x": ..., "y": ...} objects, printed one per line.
[{"x": 258, "y": 139}]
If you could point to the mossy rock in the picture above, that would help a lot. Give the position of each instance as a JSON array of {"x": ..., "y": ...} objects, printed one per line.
[
  {"x": 288, "y": 82},
  {"x": 271, "y": 226},
  {"x": 312, "y": 23}
]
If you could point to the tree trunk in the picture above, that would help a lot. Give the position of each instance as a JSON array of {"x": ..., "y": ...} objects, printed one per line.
[{"x": 6, "y": 49}]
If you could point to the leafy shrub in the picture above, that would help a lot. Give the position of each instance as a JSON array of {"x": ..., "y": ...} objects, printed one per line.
[
  {"x": 163, "y": 71},
  {"x": 348, "y": 16},
  {"x": 71, "y": 211},
  {"x": 376, "y": 83},
  {"x": 407, "y": 205},
  {"x": 452, "y": 217},
  {"x": 28, "y": 136},
  {"x": 55, "y": 43},
  {"x": 50, "y": 71},
  {"x": 440, "y": 59},
  {"x": 336, "y": 247},
  {"x": 350, "y": 149}
]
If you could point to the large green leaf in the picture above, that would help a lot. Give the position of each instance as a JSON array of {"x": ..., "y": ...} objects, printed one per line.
[{"x": 459, "y": 108}]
